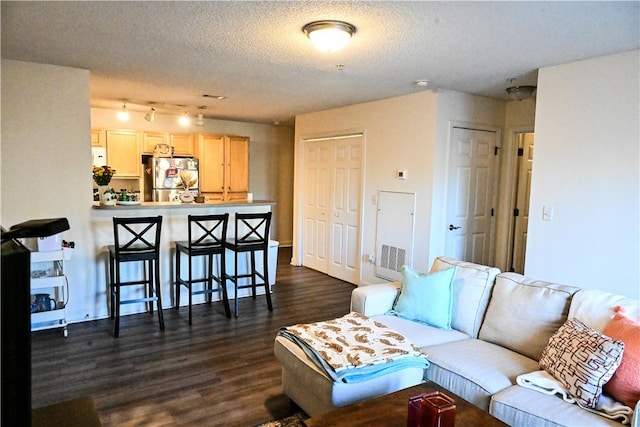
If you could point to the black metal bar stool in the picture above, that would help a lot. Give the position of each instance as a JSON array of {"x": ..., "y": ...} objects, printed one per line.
[
  {"x": 207, "y": 234},
  {"x": 251, "y": 236},
  {"x": 136, "y": 240}
]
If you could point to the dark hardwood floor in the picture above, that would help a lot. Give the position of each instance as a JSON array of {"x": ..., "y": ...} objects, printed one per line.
[{"x": 218, "y": 372}]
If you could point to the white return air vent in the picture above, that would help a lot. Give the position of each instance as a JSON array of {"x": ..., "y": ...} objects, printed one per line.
[
  {"x": 392, "y": 258},
  {"x": 394, "y": 233}
]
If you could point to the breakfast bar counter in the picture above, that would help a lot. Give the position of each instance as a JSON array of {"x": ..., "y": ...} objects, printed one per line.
[
  {"x": 210, "y": 207},
  {"x": 174, "y": 227}
]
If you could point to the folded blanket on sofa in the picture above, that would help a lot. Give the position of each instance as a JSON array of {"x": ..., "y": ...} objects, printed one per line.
[
  {"x": 543, "y": 382},
  {"x": 355, "y": 348}
]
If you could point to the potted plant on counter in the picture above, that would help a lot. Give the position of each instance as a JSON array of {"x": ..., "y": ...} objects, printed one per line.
[{"x": 102, "y": 176}]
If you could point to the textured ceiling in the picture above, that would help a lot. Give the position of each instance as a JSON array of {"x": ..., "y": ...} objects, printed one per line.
[{"x": 256, "y": 55}]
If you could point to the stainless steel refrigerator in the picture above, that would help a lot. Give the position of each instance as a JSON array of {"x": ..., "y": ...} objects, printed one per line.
[{"x": 163, "y": 177}]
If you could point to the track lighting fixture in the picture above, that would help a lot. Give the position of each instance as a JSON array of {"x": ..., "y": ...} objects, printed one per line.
[
  {"x": 123, "y": 114},
  {"x": 184, "y": 119},
  {"x": 151, "y": 115}
]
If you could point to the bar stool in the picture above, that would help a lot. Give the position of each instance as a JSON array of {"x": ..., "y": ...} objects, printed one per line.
[
  {"x": 136, "y": 240},
  {"x": 251, "y": 235},
  {"x": 207, "y": 234}
]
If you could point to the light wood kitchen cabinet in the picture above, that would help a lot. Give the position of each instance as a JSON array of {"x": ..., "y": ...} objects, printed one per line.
[
  {"x": 97, "y": 140},
  {"x": 183, "y": 144},
  {"x": 123, "y": 153},
  {"x": 237, "y": 167},
  {"x": 224, "y": 166},
  {"x": 151, "y": 139},
  {"x": 210, "y": 153}
]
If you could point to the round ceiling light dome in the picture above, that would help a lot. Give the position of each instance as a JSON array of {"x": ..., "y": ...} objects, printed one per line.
[{"x": 329, "y": 36}]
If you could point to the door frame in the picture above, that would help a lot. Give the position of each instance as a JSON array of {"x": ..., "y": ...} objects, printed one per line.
[
  {"x": 297, "y": 254},
  {"x": 507, "y": 198},
  {"x": 496, "y": 181}
]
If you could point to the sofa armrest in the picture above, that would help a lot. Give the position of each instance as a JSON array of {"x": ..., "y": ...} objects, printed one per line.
[{"x": 372, "y": 300}]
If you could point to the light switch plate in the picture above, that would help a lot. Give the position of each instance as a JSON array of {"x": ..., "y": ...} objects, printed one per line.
[{"x": 547, "y": 213}]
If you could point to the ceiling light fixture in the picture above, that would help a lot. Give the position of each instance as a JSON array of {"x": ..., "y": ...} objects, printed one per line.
[
  {"x": 519, "y": 93},
  {"x": 200, "y": 119},
  {"x": 184, "y": 119},
  {"x": 151, "y": 115},
  {"x": 329, "y": 36},
  {"x": 214, "y": 96},
  {"x": 123, "y": 114},
  {"x": 422, "y": 83}
]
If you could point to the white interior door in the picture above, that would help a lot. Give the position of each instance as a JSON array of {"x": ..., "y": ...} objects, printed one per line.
[
  {"x": 345, "y": 208},
  {"x": 332, "y": 199},
  {"x": 316, "y": 205},
  {"x": 470, "y": 195},
  {"x": 521, "y": 215}
]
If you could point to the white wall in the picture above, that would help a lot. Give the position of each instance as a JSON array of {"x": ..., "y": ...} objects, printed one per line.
[
  {"x": 270, "y": 156},
  {"x": 586, "y": 166},
  {"x": 45, "y": 155},
  {"x": 407, "y": 132}
]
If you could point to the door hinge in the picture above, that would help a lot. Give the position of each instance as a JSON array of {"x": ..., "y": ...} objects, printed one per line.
[
  {"x": 491, "y": 211},
  {"x": 520, "y": 152},
  {"x": 516, "y": 212},
  {"x": 495, "y": 150}
]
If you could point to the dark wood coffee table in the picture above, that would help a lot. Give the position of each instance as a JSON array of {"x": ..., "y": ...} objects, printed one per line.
[{"x": 391, "y": 410}]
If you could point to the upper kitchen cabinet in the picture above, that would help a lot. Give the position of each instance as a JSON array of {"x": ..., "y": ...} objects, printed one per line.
[
  {"x": 224, "y": 166},
  {"x": 237, "y": 167},
  {"x": 210, "y": 153},
  {"x": 183, "y": 144},
  {"x": 97, "y": 139},
  {"x": 151, "y": 139},
  {"x": 123, "y": 152}
]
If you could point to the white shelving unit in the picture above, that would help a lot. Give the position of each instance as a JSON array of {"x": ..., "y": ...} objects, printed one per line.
[{"x": 48, "y": 276}]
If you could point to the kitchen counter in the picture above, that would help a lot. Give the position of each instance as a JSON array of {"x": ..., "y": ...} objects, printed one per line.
[
  {"x": 180, "y": 205},
  {"x": 174, "y": 227}
]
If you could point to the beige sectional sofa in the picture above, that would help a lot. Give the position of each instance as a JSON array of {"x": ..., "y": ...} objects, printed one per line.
[{"x": 500, "y": 325}]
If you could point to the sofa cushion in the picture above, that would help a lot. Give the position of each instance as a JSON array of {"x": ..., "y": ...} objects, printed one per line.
[
  {"x": 420, "y": 334},
  {"x": 624, "y": 386},
  {"x": 524, "y": 313},
  {"x": 475, "y": 369},
  {"x": 582, "y": 360},
  {"x": 520, "y": 406},
  {"x": 316, "y": 393},
  {"x": 425, "y": 297},
  {"x": 595, "y": 308},
  {"x": 470, "y": 293}
]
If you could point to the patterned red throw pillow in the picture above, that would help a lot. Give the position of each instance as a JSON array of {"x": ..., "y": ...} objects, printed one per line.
[
  {"x": 582, "y": 360},
  {"x": 624, "y": 386}
]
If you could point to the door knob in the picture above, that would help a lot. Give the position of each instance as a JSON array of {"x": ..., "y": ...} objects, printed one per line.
[{"x": 453, "y": 227}]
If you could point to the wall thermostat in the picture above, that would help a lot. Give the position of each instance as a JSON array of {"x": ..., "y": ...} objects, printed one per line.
[{"x": 402, "y": 174}]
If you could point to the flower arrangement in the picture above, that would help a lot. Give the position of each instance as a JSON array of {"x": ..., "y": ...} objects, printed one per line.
[
  {"x": 102, "y": 174},
  {"x": 185, "y": 180}
]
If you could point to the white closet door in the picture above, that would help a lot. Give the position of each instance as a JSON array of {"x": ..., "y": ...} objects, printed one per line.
[
  {"x": 345, "y": 208},
  {"x": 316, "y": 205},
  {"x": 332, "y": 203}
]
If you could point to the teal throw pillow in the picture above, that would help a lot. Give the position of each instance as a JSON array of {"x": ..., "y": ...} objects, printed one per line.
[{"x": 426, "y": 298}]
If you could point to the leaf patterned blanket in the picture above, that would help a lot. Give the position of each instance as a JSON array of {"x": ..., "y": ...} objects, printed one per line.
[{"x": 355, "y": 348}]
